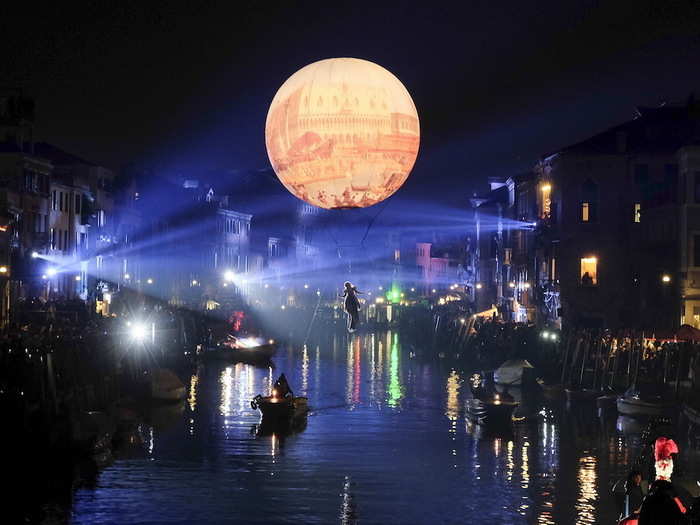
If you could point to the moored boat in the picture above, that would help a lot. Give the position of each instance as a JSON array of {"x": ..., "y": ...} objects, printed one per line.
[
  {"x": 631, "y": 404},
  {"x": 246, "y": 349},
  {"x": 511, "y": 372}
]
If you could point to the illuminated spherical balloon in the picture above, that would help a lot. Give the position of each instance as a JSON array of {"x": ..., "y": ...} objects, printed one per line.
[{"x": 342, "y": 133}]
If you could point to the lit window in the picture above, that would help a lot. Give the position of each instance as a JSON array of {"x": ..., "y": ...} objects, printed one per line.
[
  {"x": 397, "y": 255},
  {"x": 585, "y": 210},
  {"x": 546, "y": 200},
  {"x": 637, "y": 212},
  {"x": 589, "y": 271}
]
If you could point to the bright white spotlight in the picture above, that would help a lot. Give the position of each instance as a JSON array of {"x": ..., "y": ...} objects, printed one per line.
[
  {"x": 44, "y": 277},
  {"x": 35, "y": 255},
  {"x": 77, "y": 277},
  {"x": 149, "y": 280},
  {"x": 306, "y": 286},
  {"x": 545, "y": 334},
  {"x": 51, "y": 272},
  {"x": 139, "y": 332},
  {"x": 127, "y": 276},
  {"x": 229, "y": 275}
]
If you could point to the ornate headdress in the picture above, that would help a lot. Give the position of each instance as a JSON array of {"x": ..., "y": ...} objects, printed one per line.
[{"x": 663, "y": 448}]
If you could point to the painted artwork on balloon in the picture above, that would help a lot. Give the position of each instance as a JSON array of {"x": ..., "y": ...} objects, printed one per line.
[{"x": 342, "y": 133}]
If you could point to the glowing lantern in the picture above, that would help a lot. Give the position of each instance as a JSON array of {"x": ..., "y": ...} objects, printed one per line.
[{"x": 342, "y": 133}]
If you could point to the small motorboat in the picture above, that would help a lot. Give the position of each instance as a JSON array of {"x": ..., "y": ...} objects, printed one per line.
[
  {"x": 244, "y": 349},
  {"x": 277, "y": 409},
  {"x": 631, "y": 403}
]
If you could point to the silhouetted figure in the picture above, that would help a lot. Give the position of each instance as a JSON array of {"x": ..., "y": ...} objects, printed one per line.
[
  {"x": 586, "y": 279},
  {"x": 282, "y": 387},
  {"x": 634, "y": 494},
  {"x": 352, "y": 305}
]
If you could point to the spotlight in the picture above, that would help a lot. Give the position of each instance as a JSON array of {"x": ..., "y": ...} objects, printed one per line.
[
  {"x": 553, "y": 337},
  {"x": 434, "y": 290},
  {"x": 127, "y": 276},
  {"x": 3, "y": 269},
  {"x": 381, "y": 287},
  {"x": 545, "y": 334},
  {"x": 666, "y": 278},
  {"x": 267, "y": 285},
  {"x": 511, "y": 284},
  {"x": 77, "y": 277},
  {"x": 149, "y": 280},
  {"x": 35, "y": 255},
  {"x": 283, "y": 307},
  {"x": 44, "y": 276},
  {"x": 478, "y": 286},
  {"x": 526, "y": 285},
  {"x": 51, "y": 272},
  {"x": 229, "y": 275},
  {"x": 318, "y": 292},
  {"x": 138, "y": 332},
  {"x": 413, "y": 289},
  {"x": 306, "y": 286},
  {"x": 194, "y": 282}
]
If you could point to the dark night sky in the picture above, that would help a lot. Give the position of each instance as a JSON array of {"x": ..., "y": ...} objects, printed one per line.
[{"x": 185, "y": 86}]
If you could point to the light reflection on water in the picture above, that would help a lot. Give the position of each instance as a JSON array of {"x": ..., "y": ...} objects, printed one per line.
[{"x": 387, "y": 442}]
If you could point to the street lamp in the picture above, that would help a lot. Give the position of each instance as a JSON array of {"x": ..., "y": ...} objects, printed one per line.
[
  {"x": 149, "y": 280},
  {"x": 478, "y": 286},
  {"x": 127, "y": 276},
  {"x": 51, "y": 272},
  {"x": 3, "y": 269},
  {"x": 511, "y": 284},
  {"x": 77, "y": 277},
  {"x": 35, "y": 254},
  {"x": 229, "y": 275},
  {"x": 665, "y": 278},
  {"x": 194, "y": 282}
]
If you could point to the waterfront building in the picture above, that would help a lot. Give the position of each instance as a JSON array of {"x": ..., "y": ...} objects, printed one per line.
[{"x": 618, "y": 220}]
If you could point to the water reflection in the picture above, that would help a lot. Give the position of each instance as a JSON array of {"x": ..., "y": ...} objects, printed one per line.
[
  {"x": 588, "y": 495},
  {"x": 394, "y": 388},
  {"x": 358, "y": 450}
]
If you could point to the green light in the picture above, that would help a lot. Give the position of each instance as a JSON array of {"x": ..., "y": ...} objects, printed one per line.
[{"x": 394, "y": 295}]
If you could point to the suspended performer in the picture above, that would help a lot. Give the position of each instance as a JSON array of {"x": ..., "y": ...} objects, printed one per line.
[{"x": 352, "y": 305}]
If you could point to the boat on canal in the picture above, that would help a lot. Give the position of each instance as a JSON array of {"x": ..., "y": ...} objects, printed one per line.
[
  {"x": 276, "y": 409},
  {"x": 632, "y": 403},
  {"x": 245, "y": 349},
  {"x": 495, "y": 410},
  {"x": 488, "y": 405}
]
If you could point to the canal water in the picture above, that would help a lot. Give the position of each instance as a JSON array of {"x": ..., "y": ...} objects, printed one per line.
[{"x": 387, "y": 441}]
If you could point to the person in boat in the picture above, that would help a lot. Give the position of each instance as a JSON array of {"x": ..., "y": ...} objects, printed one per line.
[
  {"x": 352, "y": 305},
  {"x": 634, "y": 494},
  {"x": 282, "y": 387},
  {"x": 662, "y": 505}
]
